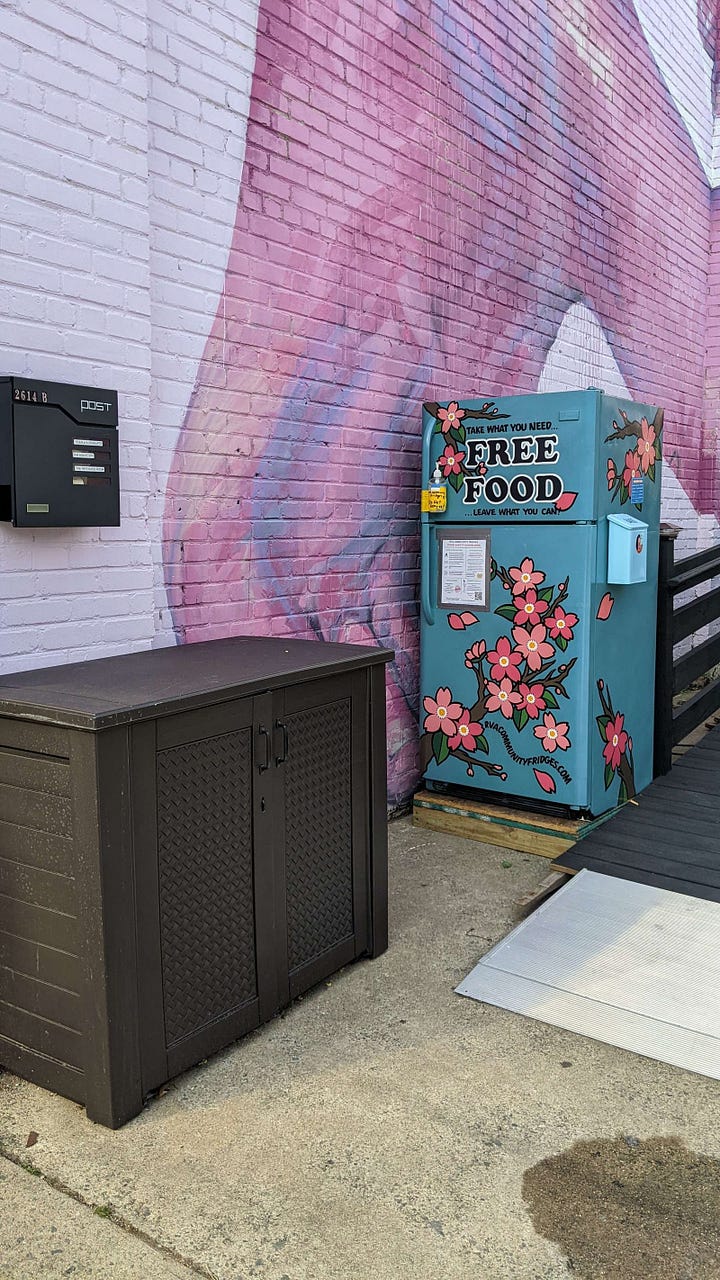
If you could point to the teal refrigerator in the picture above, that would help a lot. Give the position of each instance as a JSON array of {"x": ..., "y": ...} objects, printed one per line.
[{"x": 540, "y": 527}]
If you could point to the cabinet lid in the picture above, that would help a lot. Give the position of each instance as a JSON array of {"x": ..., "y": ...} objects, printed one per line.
[{"x": 156, "y": 682}]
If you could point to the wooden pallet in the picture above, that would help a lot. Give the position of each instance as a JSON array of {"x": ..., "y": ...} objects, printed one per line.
[{"x": 519, "y": 829}]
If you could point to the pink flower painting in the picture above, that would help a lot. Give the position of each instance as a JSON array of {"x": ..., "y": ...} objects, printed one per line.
[
  {"x": 442, "y": 713},
  {"x": 502, "y": 697},
  {"x": 518, "y": 677},
  {"x": 640, "y": 460},
  {"x": 474, "y": 653},
  {"x": 504, "y": 660},
  {"x": 450, "y": 417},
  {"x": 532, "y": 699},
  {"x": 533, "y": 645},
  {"x": 633, "y": 470},
  {"x": 646, "y": 445},
  {"x": 552, "y": 733},
  {"x": 561, "y": 624},
  {"x": 451, "y": 461},
  {"x": 524, "y": 577},
  {"x": 530, "y": 608},
  {"x": 617, "y": 741},
  {"x": 468, "y": 733},
  {"x": 617, "y": 749}
]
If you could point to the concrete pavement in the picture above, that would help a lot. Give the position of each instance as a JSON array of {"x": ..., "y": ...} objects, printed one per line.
[{"x": 381, "y": 1128}]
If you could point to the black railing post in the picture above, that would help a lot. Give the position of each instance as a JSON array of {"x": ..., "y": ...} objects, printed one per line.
[{"x": 663, "y": 742}]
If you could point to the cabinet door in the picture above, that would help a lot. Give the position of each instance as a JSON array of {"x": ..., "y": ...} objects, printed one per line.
[
  {"x": 321, "y": 750},
  {"x": 202, "y": 985}
]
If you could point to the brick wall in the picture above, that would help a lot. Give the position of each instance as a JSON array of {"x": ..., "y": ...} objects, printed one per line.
[
  {"x": 75, "y": 306},
  {"x": 432, "y": 192},
  {"x": 200, "y": 61},
  {"x": 437, "y": 198},
  {"x": 123, "y": 129}
]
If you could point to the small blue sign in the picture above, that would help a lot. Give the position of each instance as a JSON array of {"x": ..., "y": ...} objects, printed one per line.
[{"x": 637, "y": 491}]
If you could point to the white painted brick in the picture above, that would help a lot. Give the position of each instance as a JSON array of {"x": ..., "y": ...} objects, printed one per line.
[
  {"x": 74, "y": 150},
  {"x": 29, "y": 34}
]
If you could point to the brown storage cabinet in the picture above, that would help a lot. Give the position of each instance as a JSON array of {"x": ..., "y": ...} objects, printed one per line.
[{"x": 189, "y": 838}]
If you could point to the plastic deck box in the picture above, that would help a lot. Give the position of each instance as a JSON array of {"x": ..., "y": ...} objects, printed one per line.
[{"x": 189, "y": 838}]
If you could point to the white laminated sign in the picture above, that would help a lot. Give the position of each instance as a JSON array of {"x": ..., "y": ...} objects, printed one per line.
[{"x": 464, "y": 571}]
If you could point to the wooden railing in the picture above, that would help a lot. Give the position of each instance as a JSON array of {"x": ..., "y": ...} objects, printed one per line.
[{"x": 675, "y": 624}]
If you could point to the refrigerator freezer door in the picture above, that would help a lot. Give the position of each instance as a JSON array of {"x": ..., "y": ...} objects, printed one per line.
[
  {"x": 505, "y": 663},
  {"x": 520, "y": 459}
]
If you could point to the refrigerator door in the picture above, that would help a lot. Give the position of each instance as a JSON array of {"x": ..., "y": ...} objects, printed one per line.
[
  {"x": 622, "y": 679},
  {"x": 519, "y": 459},
  {"x": 505, "y": 661}
]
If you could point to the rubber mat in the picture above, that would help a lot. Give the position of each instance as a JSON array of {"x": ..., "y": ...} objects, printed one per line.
[{"x": 629, "y": 964}]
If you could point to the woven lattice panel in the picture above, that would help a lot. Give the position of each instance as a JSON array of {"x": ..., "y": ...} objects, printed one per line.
[
  {"x": 318, "y": 831},
  {"x": 206, "y": 880}
]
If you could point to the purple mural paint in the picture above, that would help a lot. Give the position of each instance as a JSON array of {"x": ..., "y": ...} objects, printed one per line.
[{"x": 427, "y": 189}]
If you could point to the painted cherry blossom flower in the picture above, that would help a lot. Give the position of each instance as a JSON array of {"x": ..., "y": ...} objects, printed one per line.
[
  {"x": 611, "y": 474},
  {"x": 474, "y": 653},
  {"x": 526, "y": 576},
  {"x": 617, "y": 741},
  {"x": 645, "y": 447},
  {"x": 468, "y": 732},
  {"x": 451, "y": 417},
  {"x": 532, "y": 699},
  {"x": 443, "y": 713},
  {"x": 505, "y": 660},
  {"x": 529, "y": 609},
  {"x": 451, "y": 461},
  {"x": 552, "y": 733},
  {"x": 632, "y": 468},
  {"x": 533, "y": 645},
  {"x": 502, "y": 697},
  {"x": 562, "y": 623}
]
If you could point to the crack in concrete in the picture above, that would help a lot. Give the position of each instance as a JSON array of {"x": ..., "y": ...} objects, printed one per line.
[{"x": 109, "y": 1214}]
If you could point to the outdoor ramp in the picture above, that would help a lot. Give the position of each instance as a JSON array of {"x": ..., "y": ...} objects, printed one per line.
[{"x": 629, "y": 964}]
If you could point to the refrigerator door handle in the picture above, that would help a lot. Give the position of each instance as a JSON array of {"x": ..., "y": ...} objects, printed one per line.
[
  {"x": 425, "y": 601},
  {"x": 428, "y": 434}
]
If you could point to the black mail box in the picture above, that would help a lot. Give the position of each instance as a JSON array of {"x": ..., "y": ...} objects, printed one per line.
[{"x": 58, "y": 454}]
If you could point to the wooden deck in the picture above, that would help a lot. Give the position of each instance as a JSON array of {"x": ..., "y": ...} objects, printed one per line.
[{"x": 669, "y": 837}]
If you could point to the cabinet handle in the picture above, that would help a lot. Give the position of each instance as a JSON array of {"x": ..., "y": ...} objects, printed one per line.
[
  {"x": 285, "y": 743},
  {"x": 265, "y": 738}
]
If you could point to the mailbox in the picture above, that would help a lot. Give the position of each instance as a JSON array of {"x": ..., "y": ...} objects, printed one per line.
[
  {"x": 58, "y": 454},
  {"x": 627, "y": 549}
]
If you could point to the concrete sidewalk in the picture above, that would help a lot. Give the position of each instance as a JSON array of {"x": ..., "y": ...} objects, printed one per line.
[{"x": 380, "y": 1128}]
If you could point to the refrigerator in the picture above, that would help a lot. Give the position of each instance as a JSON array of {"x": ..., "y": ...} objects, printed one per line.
[{"x": 540, "y": 537}]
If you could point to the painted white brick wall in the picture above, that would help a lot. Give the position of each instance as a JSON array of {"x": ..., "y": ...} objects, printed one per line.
[
  {"x": 121, "y": 150},
  {"x": 75, "y": 304},
  {"x": 200, "y": 61}
]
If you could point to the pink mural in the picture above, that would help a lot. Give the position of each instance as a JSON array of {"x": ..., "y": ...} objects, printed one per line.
[{"x": 427, "y": 188}]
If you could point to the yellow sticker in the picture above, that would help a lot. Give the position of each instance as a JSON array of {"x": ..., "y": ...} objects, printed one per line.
[{"x": 433, "y": 500}]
